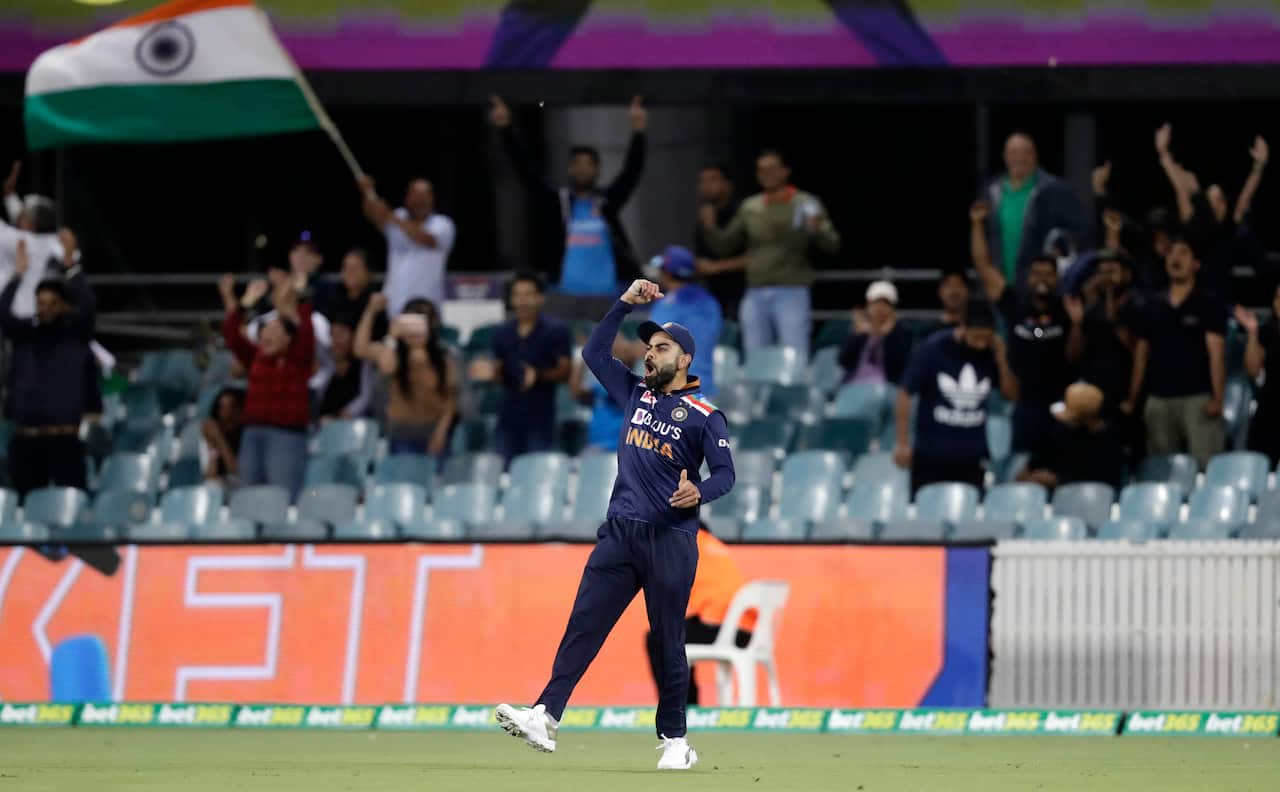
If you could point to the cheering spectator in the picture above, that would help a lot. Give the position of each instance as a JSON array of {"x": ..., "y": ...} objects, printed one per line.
[
  {"x": 777, "y": 227},
  {"x": 1262, "y": 356},
  {"x": 221, "y": 430},
  {"x": 715, "y": 584},
  {"x": 1082, "y": 445},
  {"x": 347, "y": 393},
  {"x": 281, "y": 280},
  {"x": 952, "y": 374},
  {"x": 419, "y": 240},
  {"x": 36, "y": 226},
  {"x": 305, "y": 260},
  {"x": 277, "y": 407},
  {"x": 531, "y": 354},
  {"x": 606, "y": 414},
  {"x": 1111, "y": 312},
  {"x": 1180, "y": 357},
  {"x": 724, "y": 275},
  {"x": 953, "y": 296},
  {"x": 687, "y": 303},
  {"x": 584, "y": 245},
  {"x": 423, "y": 380},
  {"x": 50, "y": 374},
  {"x": 345, "y": 300},
  {"x": 879, "y": 348},
  {"x": 1029, "y": 205},
  {"x": 1044, "y": 341}
]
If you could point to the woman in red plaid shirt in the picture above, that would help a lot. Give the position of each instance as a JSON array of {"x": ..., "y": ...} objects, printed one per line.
[{"x": 277, "y": 406}]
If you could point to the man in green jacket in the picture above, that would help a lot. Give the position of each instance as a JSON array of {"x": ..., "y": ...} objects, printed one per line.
[{"x": 778, "y": 228}]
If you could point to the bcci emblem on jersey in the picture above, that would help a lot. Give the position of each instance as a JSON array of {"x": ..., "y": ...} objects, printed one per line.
[{"x": 679, "y": 414}]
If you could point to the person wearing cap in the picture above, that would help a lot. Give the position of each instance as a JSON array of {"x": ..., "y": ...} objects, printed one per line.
[
  {"x": 51, "y": 378},
  {"x": 419, "y": 240},
  {"x": 951, "y": 375},
  {"x": 688, "y": 304},
  {"x": 779, "y": 228},
  {"x": 1046, "y": 332},
  {"x": 1180, "y": 360},
  {"x": 878, "y": 349},
  {"x": 1083, "y": 446},
  {"x": 648, "y": 541}
]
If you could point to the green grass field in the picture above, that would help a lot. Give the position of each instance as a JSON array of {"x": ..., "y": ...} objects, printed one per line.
[{"x": 90, "y": 759}]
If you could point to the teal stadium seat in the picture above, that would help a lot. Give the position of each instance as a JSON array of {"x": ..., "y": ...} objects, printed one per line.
[
  {"x": 794, "y": 402},
  {"x": 435, "y": 531},
  {"x": 1244, "y": 470},
  {"x": 850, "y": 435},
  {"x": 1180, "y": 469},
  {"x": 56, "y": 507},
  {"x": 915, "y": 530},
  {"x": 1017, "y": 503},
  {"x": 1088, "y": 500},
  {"x": 119, "y": 508},
  {"x": 1220, "y": 504},
  {"x": 536, "y": 503},
  {"x": 1199, "y": 530},
  {"x": 983, "y": 530},
  {"x": 843, "y": 529},
  {"x": 470, "y": 504},
  {"x": 261, "y": 504},
  {"x": 754, "y": 469},
  {"x": 194, "y": 505},
  {"x": 594, "y": 487},
  {"x": 333, "y": 504},
  {"x": 300, "y": 530},
  {"x": 479, "y": 468},
  {"x": 824, "y": 369},
  {"x": 727, "y": 365},
  {"x": 741, "y": 503},
  {"x": 173, "y": 533},
  {"x": 947, "y": 501},
  {"x": 357, "y": 438},
  {"x": 1070, "y": 529},
  {"x": 130, "y": 471},
  {"x": 542, "y": 470},
  {"x": 402, "y": 505},
  {"x": 777, "y": 365},
  {"x": 880, "y": 467},
  {"x": 877, "y": 501},
  {"x": 773, "y": 436},
  {"x": 406, "y": 469},
  {"x": 231, "y": 529},
  {"x": 812, "y": 483},
  {"x": 347, "y": 469},
  {"x": 1156, "y": 502},
  {"x": 501, "y": 531},
  {"x": 781, "y": 530}
]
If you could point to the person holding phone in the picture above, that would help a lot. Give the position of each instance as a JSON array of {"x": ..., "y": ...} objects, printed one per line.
[{"x": 422, "y": 380}]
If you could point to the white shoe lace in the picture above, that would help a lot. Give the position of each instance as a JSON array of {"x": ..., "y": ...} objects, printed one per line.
[{"x": 666, "y": 741}]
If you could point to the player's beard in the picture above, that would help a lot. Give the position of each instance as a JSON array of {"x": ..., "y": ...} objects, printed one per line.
[{"x": 660, "y": 377}]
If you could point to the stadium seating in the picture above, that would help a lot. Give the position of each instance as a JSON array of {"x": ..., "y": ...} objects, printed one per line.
[
  {"x": 811, "y": 485},
  {"x": 119, "y": 508},
  {"x": 753, "y": 469},
  {"x": 1156, "y": 502},
  {"x": 56, "y": 507},
  {"x": 8, "y": 505},
  {"x": 771, "y": 530},
  {"x": 1269, "y": 529},
  {"x": 401, "y": 505},
  {"x": 865, "y": 400},
  {"x": 1017, "y": 503},
  {"x": 480, "y": 467},
  {"x": 1089, "y": 500},
  {"x": 501, "y": 531},
  {"x": 743, "y": 502},
  {"x": 999, "y": 436},
  {"x": 824, "y": 369},
  {"x": 724, "y": 528},
  {"x": 1180, "y": 469},
  {"x": 1199, "y": 530},
  {"x": 1244, "y": 470},
  {"x": 366, "y": 531},
  {"x": 1055, "y": 529},
  {"x": 261, "y": 505},
  {"x": 948, "y": 502},
  {"x": 777, "y": 365},
  {"x": 766, "y": 435},
  {"x": 1006, "y": 470},
  {"x": 801, "y": 403},
  {"x": 130, "y": 471},
  {"x": 843, "y": 529},
  {"x": 144, "y": 533},
  {"x": 357, "y": 438},
  {"x": 406, "y": 469},
  {"x": 1221, "y": 504},
  {"x": 982, "y": 530},
  {"x": 547, "y": 470},
  {"x": 300, "y": 530},
  {"x": 470, "y": 504},
  {"x": 568, "y": 530},
  {"x": 195, "y": 505},
  {"x": 333, "y": 504},
  {"x": 740, "y": 402},
  {"x": 851, "y": 435},
  {"x": 876, "y": 502},
  {"x": 1133, "y": 530},
  {"x": 594, "y": 488},
  {"x": 334, "y": 469},
  {"x": 532, "y": 503},
  {"x": 435, "y": 531},
  {"x": 880, "y": 467},
  {"x": 726, "y": 365},
  {"x": 229, "y": 530},
  {"x": 186, "y": 472},
  {"x": 913, "y": 530}
]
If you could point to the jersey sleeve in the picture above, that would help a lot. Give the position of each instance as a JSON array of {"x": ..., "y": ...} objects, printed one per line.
[
  {"x": 612, "y": 373},
  {"x": 715, "y": 450}
]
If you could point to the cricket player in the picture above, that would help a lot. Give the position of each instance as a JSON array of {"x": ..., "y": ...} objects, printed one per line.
[{"x": 649, "y": 538}]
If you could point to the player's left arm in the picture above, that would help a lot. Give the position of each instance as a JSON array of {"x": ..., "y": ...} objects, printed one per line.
[{"x": 715, "y": 449}]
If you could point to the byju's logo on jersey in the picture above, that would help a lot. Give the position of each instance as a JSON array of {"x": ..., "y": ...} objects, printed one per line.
[
  {"x": 640, "y": 417},
  {"x": 968, "y": 396}
]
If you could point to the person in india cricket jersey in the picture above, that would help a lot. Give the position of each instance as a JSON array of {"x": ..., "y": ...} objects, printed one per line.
[{"x": 649, "y": 538}]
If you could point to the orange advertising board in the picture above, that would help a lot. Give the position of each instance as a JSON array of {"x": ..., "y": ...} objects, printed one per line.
[{"x": 366, "y": 624}]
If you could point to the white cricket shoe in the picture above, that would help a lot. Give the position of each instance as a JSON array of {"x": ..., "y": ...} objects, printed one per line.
[
  {"x": 677, "y": 754},
  {"x": 531, "y": 724}
]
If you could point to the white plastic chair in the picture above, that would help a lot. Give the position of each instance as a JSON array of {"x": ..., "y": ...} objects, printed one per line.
[{"x": 766, "y": 598}]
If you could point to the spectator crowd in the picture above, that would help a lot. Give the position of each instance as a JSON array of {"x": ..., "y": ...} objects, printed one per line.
[{"x": 1105, "y": 330}]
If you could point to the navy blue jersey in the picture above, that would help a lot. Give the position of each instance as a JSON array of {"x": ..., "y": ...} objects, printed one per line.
[{"x": 662, "y": 434}]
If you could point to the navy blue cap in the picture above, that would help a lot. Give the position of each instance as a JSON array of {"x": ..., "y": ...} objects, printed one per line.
[
  {"x": 676, "y": 261},
  {"x": 677, "y": 331}
]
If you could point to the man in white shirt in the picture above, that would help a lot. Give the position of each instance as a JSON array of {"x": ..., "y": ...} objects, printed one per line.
[
  {"x": 418, "y": 243},
  {"x": 35, "y": 222}
]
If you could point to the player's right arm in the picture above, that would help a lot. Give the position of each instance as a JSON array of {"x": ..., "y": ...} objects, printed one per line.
[{"x": 613, "y": 374}]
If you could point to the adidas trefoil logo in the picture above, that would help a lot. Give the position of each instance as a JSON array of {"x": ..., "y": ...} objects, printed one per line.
[{"x": 967, "y": 393}]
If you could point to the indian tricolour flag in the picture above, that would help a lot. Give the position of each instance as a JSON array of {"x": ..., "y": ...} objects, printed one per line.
[{"x": 188, "y": 70}]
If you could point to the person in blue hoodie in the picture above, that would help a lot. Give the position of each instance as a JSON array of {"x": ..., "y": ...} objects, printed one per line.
[{"x": 687, "y": 303}]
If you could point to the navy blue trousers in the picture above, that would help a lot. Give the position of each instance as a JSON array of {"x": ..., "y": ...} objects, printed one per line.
[{"x": 628, "y": 557}]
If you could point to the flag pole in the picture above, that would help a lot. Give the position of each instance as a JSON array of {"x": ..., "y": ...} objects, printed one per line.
[{"x": 322, "y": 116}]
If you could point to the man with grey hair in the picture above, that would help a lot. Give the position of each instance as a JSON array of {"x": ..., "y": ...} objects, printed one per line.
[{"x": 35, "y": 224}]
